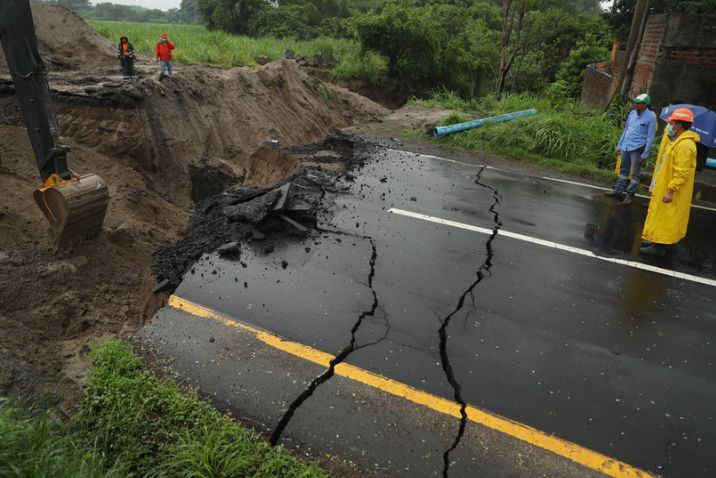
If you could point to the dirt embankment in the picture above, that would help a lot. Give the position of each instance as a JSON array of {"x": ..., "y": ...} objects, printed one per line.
[{"x": 161, "y": 147}]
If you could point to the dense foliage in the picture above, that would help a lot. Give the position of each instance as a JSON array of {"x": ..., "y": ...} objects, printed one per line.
[
  {"x": 430, "y": 44},
  {"x": 473, "y": 47}
]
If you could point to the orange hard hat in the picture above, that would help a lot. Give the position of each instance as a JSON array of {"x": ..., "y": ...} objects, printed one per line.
[{"x": 682, "y": 114}]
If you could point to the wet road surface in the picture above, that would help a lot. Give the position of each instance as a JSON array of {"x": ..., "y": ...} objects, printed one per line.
[{"x": 606, "y": 355}]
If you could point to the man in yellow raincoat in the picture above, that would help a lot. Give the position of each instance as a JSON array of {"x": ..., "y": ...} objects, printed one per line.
[{"x": 672, "y": 186}]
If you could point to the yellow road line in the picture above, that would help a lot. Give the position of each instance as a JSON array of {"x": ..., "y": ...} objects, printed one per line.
[{"x": 578, "y": 454}]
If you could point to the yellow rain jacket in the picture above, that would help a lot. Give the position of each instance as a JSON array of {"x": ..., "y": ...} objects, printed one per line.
[{"x": 675, "y": 168}]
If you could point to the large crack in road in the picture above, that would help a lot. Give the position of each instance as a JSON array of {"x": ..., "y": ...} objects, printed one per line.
[
  {"x": 341, "y": 356},
  {"x": 482, "y": 272}
]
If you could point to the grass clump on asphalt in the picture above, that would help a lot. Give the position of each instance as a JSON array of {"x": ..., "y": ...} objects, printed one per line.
[
  {"x": 564, "y": 135},
  {"x": 197, "y": 45},
  {"x": 132, "y": 423}
]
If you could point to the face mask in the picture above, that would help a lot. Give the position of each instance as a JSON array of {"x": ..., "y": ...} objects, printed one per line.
[{"x": 670, "y": 131}]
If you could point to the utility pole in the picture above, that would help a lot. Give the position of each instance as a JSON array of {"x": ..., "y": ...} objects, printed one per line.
[{"x": 635, "y": 32}]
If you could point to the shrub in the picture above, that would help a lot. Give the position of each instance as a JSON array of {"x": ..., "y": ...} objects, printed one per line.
[{"x": 564, "y": 133}]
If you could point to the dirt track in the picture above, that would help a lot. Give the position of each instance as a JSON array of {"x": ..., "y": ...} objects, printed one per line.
[{"x": 162, "y": 147}]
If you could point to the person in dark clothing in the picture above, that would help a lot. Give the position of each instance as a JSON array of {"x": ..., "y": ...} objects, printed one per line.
[{"x": 125, "y": 53}]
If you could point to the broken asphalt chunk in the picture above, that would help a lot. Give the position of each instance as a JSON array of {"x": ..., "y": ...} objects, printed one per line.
[
  {"x": 253, "y": 211},
  {"x": 294, "y": 224},
  {"x": 242, "y": 194},
  {"x": 161, "y": 286},
  {"x": 230, "y": 249},
  {"x": 283, "y": 195}
]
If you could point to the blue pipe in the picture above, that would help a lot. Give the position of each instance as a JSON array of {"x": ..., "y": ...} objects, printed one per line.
[
  {"x": 454, "y": 128},
  {"x": 711, "y": 163}
]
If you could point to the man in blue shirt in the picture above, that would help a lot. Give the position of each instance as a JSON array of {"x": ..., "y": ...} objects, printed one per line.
[{"x": 634, "y": 146}]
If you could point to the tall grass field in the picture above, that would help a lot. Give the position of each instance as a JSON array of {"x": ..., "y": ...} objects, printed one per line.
[{"x": 197, "y": 45}]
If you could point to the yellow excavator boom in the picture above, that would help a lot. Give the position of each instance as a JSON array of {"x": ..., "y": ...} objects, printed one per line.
[{"x": 75, "y": 205}]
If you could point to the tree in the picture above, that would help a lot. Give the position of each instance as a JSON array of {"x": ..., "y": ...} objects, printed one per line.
[
  {"x": 282, "y": 22},
  {"x": 189, "y": 11},
  {"x": 511, "y": 40},
  {"x": 233, "y": 16},
  {"x": 428, "y": 46},
  {"x": 571, "y": 72}
]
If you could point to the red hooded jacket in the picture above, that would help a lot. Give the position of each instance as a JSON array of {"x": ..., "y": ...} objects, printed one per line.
[{"x": 164, "y": 49}]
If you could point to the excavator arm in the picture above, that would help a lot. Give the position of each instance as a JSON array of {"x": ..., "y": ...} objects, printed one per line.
[{"x": 74, "y": 205}]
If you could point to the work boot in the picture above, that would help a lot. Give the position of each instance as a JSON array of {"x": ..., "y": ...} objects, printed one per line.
[
  {"x": 628, "y": 200},
  {"x": 614, "y": 194},
  {"x": 657, "y": 250}
]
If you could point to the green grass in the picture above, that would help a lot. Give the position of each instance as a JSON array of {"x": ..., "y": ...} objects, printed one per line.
[
  {"x": 41, "y": 446},
  {"x": 142, "y": 426},
  {"x": 197, "y": 45},
  {"x": 564, "y": 135}
]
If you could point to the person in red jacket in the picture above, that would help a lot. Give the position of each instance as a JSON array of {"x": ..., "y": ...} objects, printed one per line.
[{"x": 164, "y": 56}]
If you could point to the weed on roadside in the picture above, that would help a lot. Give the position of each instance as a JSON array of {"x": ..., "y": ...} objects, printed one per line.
[
  {"x": 564, "y": 135},
  {"x": 40, "y": 447},
  {"x": 156, "y": 430}
]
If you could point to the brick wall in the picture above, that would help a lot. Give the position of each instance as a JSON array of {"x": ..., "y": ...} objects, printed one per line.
[
  {"x": 653, "y": 36},
  {"x": 596, "y": 85},
  {"x": 641, "y": 80},
  {"x": 617, "y": 66},
  {"x": 677, "y": 58},
  {"x": 686, "y": 63},
  {"x": 705, "y": 57}
]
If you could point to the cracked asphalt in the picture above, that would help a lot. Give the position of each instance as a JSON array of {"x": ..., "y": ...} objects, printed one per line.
[{"x": 604, "y": 355}]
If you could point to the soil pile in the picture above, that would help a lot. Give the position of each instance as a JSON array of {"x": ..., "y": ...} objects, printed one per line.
[
  {"x": 66, "y": 42},
  {"x": 161, "y": 147}
]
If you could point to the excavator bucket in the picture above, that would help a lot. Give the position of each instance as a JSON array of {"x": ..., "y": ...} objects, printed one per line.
[{"x": 75, "y": 208}]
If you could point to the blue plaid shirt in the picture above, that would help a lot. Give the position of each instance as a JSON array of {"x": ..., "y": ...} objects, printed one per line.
[{"x": 638, "y": 132}]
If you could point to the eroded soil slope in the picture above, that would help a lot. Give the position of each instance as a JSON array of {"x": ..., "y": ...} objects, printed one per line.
[{"x": 161, "y": 147}]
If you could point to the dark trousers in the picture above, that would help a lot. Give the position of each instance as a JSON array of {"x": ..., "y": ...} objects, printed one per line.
[{"x": 127, "y": 66}]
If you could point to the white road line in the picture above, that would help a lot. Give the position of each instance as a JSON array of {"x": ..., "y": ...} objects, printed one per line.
[
  {"x": 558, "y": 246},
  {"x": 547, "y": 178}
]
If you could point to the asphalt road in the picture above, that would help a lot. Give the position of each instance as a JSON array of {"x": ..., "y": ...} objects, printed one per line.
[{"x": 554, "y": 322}]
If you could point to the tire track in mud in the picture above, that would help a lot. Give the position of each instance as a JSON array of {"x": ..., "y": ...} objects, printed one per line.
[{"x": 482, "y": 273}]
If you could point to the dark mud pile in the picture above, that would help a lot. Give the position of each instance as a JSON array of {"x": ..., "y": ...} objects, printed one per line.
[{"x": 251, "y": 213}]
